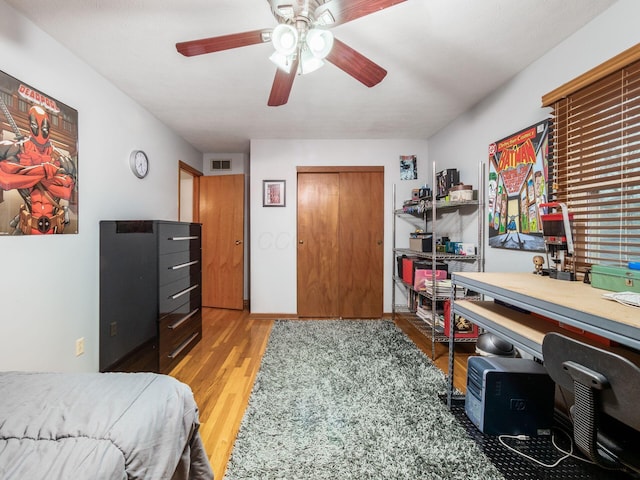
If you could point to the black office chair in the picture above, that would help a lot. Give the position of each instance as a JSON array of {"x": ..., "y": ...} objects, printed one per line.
[{"x": 606, "y": 408}]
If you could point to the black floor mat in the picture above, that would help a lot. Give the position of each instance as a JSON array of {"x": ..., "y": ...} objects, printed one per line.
[{"x": 517, "y": 467}]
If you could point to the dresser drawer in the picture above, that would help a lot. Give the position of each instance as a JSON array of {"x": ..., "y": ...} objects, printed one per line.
[
  {"x": 191, "y": 302},
  {"x": 179, "y": 332},
  {"x": 175, "y": 294},
  {"x": 178, "y": 237},
  {"x": 174, "y": 266}
]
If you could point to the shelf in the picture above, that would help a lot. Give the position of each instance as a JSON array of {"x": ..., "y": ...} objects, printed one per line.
[
  {"x": 417, "y": 210},
  {"x": 425, "y": 293},
  {"x": 425, "y": 328},
  {"x": 572, "y": 303},
  {"x": 425, "y": 215},
  {"x": 438, "y": 256},
  {"x": 573, "y": 309}
]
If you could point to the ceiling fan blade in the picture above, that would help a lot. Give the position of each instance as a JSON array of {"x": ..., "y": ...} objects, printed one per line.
[
  {"x": 223, "y": 42},
  {"x": 282, "y": 84},
  {"x": 355, "y": 64},
  {"x": 344, "y": 11}
]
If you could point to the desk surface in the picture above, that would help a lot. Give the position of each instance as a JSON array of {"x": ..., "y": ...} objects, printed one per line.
[{"x": 574, "y": 303}]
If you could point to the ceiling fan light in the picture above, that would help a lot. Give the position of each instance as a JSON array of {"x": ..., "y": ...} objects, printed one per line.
[
  {"x": 309, "y": 63},
  {"x": 285, "y": 39},
  {"x": 283, "y": 62},
  {"x": 319, "y": 42}
]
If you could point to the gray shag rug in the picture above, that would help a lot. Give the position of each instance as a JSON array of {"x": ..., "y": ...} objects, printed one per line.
[{"x": 350, "y": 399}]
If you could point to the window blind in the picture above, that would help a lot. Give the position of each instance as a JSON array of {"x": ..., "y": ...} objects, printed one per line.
[{"x": 596, "y": 165}]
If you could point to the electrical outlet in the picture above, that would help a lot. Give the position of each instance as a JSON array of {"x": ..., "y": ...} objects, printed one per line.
[
  {"x": 113, "y": 329},
  {"x": 79, "y": 346}
]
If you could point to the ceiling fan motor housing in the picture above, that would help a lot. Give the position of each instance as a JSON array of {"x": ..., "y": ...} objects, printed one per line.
[{"x": 288, "y": 11}]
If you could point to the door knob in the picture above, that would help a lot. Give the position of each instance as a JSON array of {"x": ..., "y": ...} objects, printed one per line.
[
  {"x": 301, "y": 242},
  {"x": 379, "y": 242},
  {"x": 238, "y": 242}
]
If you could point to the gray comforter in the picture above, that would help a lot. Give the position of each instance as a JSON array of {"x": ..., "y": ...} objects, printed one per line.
[{"x": 99, "y": 426}]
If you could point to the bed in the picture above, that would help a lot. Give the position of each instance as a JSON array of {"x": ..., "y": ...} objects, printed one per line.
[{"x": 99, "y": 425}]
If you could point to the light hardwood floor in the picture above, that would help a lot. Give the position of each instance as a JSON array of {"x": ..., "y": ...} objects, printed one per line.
[{"x": 221, "y": 370}]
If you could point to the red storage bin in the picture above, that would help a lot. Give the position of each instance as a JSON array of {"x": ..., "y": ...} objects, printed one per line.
[{"x": 462, "y": 328}]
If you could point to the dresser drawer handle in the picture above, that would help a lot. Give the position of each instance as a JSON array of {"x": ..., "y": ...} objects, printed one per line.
[
  {"x": 183, "y": 265},
  {"x": 177, "y": 323},
  {"x": 186, "y": 290},
  {"x": 177, "y": 239},
  {"x": 182, "y": 346}
]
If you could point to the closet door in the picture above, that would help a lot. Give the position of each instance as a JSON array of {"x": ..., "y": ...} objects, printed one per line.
[
  {"x": 361, "y": 232},
  {"x": 317, "y": 234},
  {"x": 340, "y": 251}
]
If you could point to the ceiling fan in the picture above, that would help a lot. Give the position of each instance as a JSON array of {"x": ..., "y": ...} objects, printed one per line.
[{"x": 302, "y": 41}]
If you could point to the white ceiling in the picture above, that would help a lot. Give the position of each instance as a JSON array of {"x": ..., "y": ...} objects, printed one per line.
[{"x": 442, "y": 56}]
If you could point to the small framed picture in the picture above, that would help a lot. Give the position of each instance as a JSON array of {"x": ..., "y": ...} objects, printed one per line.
[
  {"x": 273, "y": 193},
  {"x": 408, "y": 167}
]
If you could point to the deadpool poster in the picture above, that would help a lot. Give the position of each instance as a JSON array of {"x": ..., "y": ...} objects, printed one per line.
[
  {"x": 519, "y": 177},
  {"x": 38, "y": 162}
]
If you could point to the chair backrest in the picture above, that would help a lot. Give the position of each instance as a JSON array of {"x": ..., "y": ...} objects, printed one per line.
[{"x": 602, "y": 382}]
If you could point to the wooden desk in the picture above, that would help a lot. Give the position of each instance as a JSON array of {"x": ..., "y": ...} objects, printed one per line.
[{"x": 572, "y": 303}]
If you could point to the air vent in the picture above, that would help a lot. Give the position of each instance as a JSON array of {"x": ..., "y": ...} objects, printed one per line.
[{"x": 220, "y": 164}]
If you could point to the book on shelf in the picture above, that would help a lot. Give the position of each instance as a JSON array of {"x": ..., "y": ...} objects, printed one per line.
[
  {"x": 441, "y": 288},
  {"x": 427, "y": 318},
  {"x": 425, "y": 313}
]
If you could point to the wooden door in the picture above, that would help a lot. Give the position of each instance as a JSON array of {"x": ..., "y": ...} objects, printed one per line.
[
  {"x": 340, "y": 249},
  {"x": 317, "y": 244},
  {"x": 361, "y": 252},
  {"x": 222, "y": 218}
]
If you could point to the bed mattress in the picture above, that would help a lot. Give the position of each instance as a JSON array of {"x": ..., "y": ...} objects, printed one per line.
[{"x": 99, "y": 425}]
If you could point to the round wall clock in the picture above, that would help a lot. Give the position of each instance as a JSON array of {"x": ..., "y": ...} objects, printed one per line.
[{"x": 139, "y": 163}]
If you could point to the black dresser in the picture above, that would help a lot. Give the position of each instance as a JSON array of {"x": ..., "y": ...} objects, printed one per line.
[{"x": 150, "y": 294}]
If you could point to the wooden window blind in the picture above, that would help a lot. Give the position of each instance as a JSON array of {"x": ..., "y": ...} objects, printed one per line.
[{"x": 596, "y": 161}]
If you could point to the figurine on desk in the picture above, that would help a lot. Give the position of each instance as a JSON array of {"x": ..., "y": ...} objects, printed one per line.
[{"x": 538, "y": 262}]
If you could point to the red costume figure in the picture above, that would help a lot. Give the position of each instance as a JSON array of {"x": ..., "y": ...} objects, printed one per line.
[{"x": 43, "y": 176}]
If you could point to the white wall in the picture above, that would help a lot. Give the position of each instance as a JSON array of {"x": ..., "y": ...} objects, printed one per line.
[
  {"x": 273, "y": 230},
  {"x": 516, "y": 105},
  {"x": 49, "y": 285}
]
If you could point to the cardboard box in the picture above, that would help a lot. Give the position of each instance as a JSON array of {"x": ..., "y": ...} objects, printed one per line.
[
  {"x": 452, "y": 247},
  {"x": 421, "y": 244},
  {"x": 465, "y": 248},
  {"x": 615, "y": 279}
]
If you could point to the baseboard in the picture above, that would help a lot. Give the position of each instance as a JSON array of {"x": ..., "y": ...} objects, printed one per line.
[
  {"x": 293, "y": 316},
  {"x": 273, "y": 316}
]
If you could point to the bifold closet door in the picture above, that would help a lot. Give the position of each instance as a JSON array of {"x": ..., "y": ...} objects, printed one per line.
[
  {"x": 361, "y": 249},
  {"x": 340, "y": 249}
]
